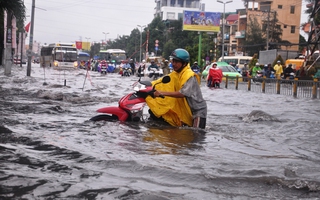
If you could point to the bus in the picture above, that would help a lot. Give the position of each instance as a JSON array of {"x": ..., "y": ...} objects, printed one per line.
[
  {"x": 234, "y": 60},
  {"x": 113, "y": 55},
  {"x": 64, "y": 56}
]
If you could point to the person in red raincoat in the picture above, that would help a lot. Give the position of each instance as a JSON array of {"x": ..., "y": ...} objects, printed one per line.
[{"x": 214, "y": 76}]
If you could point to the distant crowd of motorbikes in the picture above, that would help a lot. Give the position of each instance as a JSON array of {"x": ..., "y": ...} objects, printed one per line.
[{"x": 125, "y": 68}]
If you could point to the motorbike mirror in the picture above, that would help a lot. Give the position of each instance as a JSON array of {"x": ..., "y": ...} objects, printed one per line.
[{"x": 166, "y": 79}]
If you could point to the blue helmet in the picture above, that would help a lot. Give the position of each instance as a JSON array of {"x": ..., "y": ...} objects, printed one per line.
[{"x": 181, "y": 55}]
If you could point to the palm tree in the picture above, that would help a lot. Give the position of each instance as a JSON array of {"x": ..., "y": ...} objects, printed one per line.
[{"x": 17, "y": 9}]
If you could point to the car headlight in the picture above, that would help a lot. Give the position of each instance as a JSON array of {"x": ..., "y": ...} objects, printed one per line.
[
  {"x": 56, "y": 63},
  {"x": 75, "y": 64}
]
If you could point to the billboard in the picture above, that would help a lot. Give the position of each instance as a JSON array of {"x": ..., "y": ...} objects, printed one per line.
[
  {"x": 201, "y": 21},
  {"x": 83, "y": 45}
]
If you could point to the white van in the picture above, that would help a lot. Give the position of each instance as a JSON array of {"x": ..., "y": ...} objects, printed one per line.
[{"x": 240, "y": 60}]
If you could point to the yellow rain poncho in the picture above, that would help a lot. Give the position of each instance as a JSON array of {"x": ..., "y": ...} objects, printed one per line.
[{"x": 175, "y": 111}]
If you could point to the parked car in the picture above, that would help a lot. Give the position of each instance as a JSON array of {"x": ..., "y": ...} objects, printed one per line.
[{"x": 226, "y": 70}]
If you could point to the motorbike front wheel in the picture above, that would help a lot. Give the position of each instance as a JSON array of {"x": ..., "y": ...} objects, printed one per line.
[{"x": 104, "y": 118}]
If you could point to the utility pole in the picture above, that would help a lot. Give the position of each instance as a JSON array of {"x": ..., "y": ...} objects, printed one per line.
[
  {"x": 141, "y": 27},
  {"x": 31, "y": 40},
  {"x": 268, "y": 29},
  {"x": 224, "y": 13}
]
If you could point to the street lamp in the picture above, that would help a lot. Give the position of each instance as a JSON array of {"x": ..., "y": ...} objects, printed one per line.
[
  {"x": 141, "y": 38},
  {"x": 224, "y": 11},
  {"x": 105, "y": 36}
]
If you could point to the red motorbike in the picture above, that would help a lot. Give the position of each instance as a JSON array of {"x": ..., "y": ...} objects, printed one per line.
[
  {"x": 130, "y": 106},
  {"x": 103, "y": 67}
]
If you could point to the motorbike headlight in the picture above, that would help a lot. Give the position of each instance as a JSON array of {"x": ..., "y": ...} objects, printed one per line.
[
  {"x": 75, "y": 64},
  {"x": 134, "y": 108},
  {"x": 56, "y": 63}
]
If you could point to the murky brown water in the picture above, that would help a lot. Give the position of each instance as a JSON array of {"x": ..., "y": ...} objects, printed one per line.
[{"x": 50, "y": 150}]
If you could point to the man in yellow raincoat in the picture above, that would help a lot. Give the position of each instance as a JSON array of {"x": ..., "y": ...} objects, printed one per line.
[
  {"x": 279, "y": 69},
  {"x": 183, "y": 103}
]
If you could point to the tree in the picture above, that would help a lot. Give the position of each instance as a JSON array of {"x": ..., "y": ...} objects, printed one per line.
[
  {"x": 253, "y": 61},
  {"x": 302, "y": 42},
  {"x": 255, "y": 41},
  {"x": 309, "y": 10},
  {"x": 282, "y": 62},
  {"x": 170, "y": 35},
  {"x": 94, "y": 50},
  {"x": 271, "y": 26}
]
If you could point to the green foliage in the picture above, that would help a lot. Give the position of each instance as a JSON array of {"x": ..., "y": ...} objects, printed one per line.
[
  {"x": 275, "y": 31},
  {"x": 253, "y": 61},
  {"x": 95, "y": 48},
  {"x": 16, "y": 7},
  {"x": 282, "y": 62},
  {"x": 302, "y": 40},
  {"x": 254, "y": 39},
  {"x": 169, "y": 35},
  {"x": 310, "y": 9}
]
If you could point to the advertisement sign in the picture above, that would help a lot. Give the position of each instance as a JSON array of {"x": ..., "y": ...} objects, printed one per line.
[
  {"x": 201, "y": 21},
  {"x": 86, "y": 46},
  {"x": 79, "y": 44},
  {"x": 83, "y": 45}
]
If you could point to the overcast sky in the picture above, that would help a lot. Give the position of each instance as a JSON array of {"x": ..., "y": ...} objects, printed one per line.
[{"x": 86, "y": 20}]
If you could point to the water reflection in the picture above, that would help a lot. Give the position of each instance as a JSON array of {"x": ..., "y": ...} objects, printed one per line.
[{"x": 174, "y": 140}]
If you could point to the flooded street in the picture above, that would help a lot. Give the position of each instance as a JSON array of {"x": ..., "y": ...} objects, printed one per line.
[{"x": 50, "y": 150}]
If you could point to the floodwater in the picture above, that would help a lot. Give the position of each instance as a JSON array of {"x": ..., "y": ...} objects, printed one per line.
[{"x": 50, "y": 150}]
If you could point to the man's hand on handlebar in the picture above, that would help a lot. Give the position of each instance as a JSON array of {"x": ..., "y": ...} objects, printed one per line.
[{"x": 158, "y": 94}]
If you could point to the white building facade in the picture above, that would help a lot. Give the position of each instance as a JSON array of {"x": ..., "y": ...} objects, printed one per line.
[{"x": 173, "y": 9}]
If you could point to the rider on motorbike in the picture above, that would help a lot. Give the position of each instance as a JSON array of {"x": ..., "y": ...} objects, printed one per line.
[
  {"x": 195, "y": 67},
  {"x": 214, "y": 76},
  {"x": 183, "y": 103},
  {"x": 126, "y": 69},
  {"x": 152, "y": 68},
  {"x": 287, "y": 74}
]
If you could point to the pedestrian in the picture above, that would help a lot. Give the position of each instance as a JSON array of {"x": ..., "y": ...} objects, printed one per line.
[
  {"x": 187, "y": 91},
  {"x": 278, "y": 69}
]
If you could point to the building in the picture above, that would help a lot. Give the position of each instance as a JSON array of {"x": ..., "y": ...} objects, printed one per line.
[
  {"x": 173, "y": 9},
  {"x": 288, "y": 14},
  {"x": 36, "y": 47}
]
